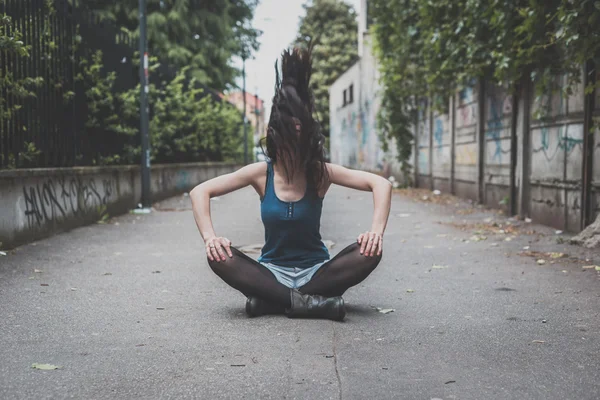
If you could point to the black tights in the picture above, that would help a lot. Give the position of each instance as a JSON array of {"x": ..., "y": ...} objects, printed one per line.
[{"x": 346, "y": 269}]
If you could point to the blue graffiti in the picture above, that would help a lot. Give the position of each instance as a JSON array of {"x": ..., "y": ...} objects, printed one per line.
[
  {"x": 364, "y": 112},
  {"x": 564, "y": 142},
  {"x": 466, "y": 95},
  {"x": 494, "y": 125},
  {"x": 438, "y": 133}
]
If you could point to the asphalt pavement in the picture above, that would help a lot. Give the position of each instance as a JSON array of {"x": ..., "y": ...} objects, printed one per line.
[{"x": 464, "y": 305}]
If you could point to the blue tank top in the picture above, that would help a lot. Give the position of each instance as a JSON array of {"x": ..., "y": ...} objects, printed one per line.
[{"x": 292, "y": 237}]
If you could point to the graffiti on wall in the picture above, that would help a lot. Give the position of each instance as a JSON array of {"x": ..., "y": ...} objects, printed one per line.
[
  {"x": 500, "y": 106},
  {"x": 467, "y": 108},
  {"x": 466, "y": 154},
  {"x": 355, "y": 135},
  {"x": 552, "y": 144},
  {"x": 54, "y": 199}
]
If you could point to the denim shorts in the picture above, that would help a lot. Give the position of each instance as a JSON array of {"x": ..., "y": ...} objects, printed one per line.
[{"x": 293, "y": 277}]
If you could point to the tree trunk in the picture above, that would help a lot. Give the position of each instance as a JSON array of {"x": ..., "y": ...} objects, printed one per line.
[{"x": 590, "y": 236}]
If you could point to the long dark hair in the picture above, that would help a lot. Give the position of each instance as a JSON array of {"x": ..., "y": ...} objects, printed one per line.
[{"x": 293, "y": 104}]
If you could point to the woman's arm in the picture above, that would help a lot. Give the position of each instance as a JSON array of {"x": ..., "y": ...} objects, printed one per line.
[
  {"x": 382, "y": 194},
  {"x": 221, "y": 185}
]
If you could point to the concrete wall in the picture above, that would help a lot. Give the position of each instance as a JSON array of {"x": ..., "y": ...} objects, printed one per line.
[
  {"x": 482, "y": 154},
  {"x": 37, "y": 203}
]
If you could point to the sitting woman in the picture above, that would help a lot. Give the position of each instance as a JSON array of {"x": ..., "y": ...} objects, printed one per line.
[{"x": 294, "y": 274}]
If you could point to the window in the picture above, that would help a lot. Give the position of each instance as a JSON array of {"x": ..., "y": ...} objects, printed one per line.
[
  {"x": 369, "y": 19},
  {"x": 345, "y": 98},
  {"x": 350, "y": 94}
]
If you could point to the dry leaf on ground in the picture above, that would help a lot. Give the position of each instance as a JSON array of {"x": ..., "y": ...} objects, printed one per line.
[{"x": 46, "y": 367}]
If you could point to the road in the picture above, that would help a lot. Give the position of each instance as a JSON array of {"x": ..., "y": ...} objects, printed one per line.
[{"x": 130, "y": 310}]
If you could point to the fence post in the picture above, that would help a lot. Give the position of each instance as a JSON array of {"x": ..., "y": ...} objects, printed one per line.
[
  {"x": 430, "y": 117},
  {"x": 481, "y": 141},
  {"x": 525, "y": 148},
  {"x": 144, "y": 108},
  {"x": 416, "y": 143},
  {"x": 452, "y": 143},
  {"x": 513, "y": 153},
  {"x": 588, "y": 146}
]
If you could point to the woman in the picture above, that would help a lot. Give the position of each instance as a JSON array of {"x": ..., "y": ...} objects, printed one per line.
[{"x": 294, "y": 274}]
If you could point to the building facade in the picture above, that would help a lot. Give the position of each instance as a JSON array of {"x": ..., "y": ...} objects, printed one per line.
[{"x": 354, "y": 102}]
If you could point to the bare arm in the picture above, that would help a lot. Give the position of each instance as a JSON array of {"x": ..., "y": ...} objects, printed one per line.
[
  {"x": 382, "y": 193},
  {"x": 221, "y": 185}
]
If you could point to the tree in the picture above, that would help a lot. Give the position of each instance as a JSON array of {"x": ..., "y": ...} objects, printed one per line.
[
  {"x": 433, "y": 48},
  {"x": 196, "y": 34},
  {"x": 330, "y": 27}
]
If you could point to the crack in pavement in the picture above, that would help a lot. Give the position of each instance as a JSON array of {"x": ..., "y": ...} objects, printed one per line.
[{"x": 335, "y": 363}]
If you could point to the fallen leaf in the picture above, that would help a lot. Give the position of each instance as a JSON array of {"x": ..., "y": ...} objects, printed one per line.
[
  {"x": 541, "y": 262},
  {"x": 238, "y": 365},
  {"x": 557, "y": 255},
  {"x": 107, "y": 273},
  {"x": 37, "y": 271},
  {"x": 539, "y": 341},
  {"x": 385, "y": 310},
  {"x": 46, "y": 367},
  {"x": 73, "y": 289},
  {"x": 44, "y": 284},
  {"x": 590, "y": 267},
  {"x": 477, "y": 238},
  {"x": 156, "y": 272},
  {"x": 558, "y": 232},
  {"x": 409, "y": 291},
  {"x": 160, "y": 308},
  {"x": 525, "y": 247},
  {"x": 403, "y": 215},
  {"x": 140, "y": 345},
  {"x": 508, "y": 239},
  {"x": 445, "y": 383},
  {"x": 439, "y": 267}
]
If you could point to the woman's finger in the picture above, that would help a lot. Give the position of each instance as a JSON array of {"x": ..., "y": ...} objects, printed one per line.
[
  {"x": 375, "y": 245},
  {"x": 208, "y": 253},
  {"x": 363, "y": 243},
  {"x": 227, "y": 246},
  {"x": 369, "y": 245},
  {"x": 214, "y": 252},
  {"x": 380, "y": 247},
  {"x": 220, "y": 251},
  {"x": 359, "y": 240}
]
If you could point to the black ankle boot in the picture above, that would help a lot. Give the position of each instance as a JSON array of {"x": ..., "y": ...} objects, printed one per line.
[
  {"x": 315, "y": 306},
  {"x": 256, "y": 307}
]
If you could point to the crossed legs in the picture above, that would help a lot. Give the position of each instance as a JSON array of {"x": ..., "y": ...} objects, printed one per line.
[{"x": 346, "y": 269}]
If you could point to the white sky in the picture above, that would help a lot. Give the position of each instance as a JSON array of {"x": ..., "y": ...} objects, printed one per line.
[{"x": 278, "y": 19}]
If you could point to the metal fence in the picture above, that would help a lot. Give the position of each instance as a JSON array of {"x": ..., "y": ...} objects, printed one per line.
[{"x": 43, "y": 120}]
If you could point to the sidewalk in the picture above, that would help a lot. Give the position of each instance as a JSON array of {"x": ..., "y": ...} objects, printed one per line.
[{"x": 131, "y": 310}]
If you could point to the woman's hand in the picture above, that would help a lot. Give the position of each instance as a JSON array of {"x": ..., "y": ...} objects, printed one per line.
[
  {"x": 216, "y": 247},
  {"x": 371, "y": 243}
]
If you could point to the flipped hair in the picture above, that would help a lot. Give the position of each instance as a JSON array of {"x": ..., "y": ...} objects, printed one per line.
[{"x": 293, "y": 104}]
